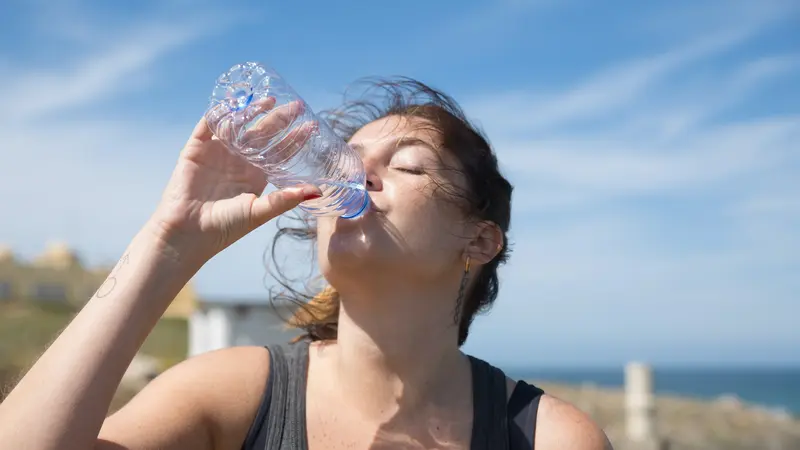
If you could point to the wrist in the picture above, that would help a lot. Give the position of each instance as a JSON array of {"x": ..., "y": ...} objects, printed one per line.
[{"x": 175, "y": 249}]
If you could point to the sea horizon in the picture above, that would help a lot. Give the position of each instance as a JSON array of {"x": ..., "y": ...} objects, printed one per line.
[{"x": 771, "y": 387}]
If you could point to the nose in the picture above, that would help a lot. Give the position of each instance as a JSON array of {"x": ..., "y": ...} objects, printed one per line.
[
  {"x": 374, "y": 182},
  {"x": 373, "y": 178}
]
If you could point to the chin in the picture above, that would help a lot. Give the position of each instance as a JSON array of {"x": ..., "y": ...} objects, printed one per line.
[
  {"x": 348, "y": 249},
  {"x": 354, "y": 249}
]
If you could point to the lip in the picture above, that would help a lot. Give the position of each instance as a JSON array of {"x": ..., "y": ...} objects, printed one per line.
[{"x": 373, "y": 208}]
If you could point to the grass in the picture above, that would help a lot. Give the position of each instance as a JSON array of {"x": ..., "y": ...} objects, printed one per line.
[{"x": 27, "y": 328}]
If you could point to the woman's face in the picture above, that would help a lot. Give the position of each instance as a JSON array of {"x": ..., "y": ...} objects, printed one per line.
[{"x": 412, "y": 232}]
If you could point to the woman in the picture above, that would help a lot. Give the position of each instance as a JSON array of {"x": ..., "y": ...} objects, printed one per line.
[{"x": 381, "y": 366}]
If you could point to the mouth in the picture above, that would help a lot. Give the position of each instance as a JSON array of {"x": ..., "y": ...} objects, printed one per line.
[
  {"x": 373, "y": 208},
  {"x": 370, "y": 210}
]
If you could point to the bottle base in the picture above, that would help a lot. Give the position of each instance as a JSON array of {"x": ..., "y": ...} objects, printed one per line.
[{"x": 360, "y": 211}]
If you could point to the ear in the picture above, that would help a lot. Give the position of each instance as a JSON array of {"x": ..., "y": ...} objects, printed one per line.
[{"x": 487, "y": 242}]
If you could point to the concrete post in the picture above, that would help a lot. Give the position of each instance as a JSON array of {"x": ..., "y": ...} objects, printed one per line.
[{"x": 640, "y": 424}]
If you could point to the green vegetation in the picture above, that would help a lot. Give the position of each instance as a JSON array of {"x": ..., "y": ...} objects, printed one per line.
[{"x": 27, "y": 328}]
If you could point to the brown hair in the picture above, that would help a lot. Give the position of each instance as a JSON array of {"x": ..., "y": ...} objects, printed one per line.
[{"x": 486, "y": 198}]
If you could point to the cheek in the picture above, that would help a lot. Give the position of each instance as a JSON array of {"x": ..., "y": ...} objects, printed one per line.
[
  {"x": 414, "y": 198},
  {"x": 431, "y": 204},
  {"x": 430, "y": 226}
]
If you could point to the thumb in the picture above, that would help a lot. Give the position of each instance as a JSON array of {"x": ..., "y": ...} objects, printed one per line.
[
  {"x": 202, "y": 131},
  {"x": 278, "y": 202}
]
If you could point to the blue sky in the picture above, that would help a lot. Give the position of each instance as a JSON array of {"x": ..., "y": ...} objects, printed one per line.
[{"x": 654, "y": 146}]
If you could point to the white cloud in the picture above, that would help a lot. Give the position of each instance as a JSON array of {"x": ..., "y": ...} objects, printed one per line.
[
  {"x": 616, "y": 91},
  {"x": 676, "y": 112},
  {"x": 787, "y": 203},
  {"x": 649, "y": 83},
  {"x": 651, "y": 200},
  {"x": 93, "y": 181},
  {"x": 614, "y": 137},
  {"x": 479, "y": 29},
  {"x": 35, "y": 93},
  {"x": 621, "y": 167},
  {"x": 86, "y": 181},
  {"x": 600, "y": 282},
  {"x": 592, "y": 264},
  {"x": 697, "y": 18},
  {"x": 604, "y": 93}
]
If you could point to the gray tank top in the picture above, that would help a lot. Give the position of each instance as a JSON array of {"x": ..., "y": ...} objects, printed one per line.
[{"x": 280, "y": 423}]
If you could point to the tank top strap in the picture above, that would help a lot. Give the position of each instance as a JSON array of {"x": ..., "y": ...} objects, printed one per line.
[
  {"x": 500, "y": 422},
  {"x": 523, "y": 407},
  {"x": 280, "y": 422},
  {"x": 295, "y": 437},
  {"x": 489, "y": 420}
]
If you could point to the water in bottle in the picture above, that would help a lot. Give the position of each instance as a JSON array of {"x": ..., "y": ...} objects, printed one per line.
[{"x": 257, "y": 115}]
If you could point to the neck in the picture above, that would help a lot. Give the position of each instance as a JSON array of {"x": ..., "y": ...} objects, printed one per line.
[{"x": 399, "y": 347}]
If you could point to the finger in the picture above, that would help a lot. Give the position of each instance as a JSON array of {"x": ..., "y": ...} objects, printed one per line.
[
  {"x": 281, "y": 116},
  {"x": 278, "y": 202},
  {"x": 287, "y": 147},
  {"x": 201, "y": 131},
  {"x": 293, "y": 142},
  {"x": 225, "y": 125},
  {"x": 270, "y": 125},
  {"x": 258, "y": 107}
]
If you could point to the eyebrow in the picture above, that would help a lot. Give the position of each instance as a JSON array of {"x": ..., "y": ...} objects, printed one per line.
[{"x": 400, "y": 141}]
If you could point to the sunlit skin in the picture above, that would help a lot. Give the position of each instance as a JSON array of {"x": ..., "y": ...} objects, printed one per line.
[
  {"x": 397, "y": 270},
  {"x": 394, "y": 377}
]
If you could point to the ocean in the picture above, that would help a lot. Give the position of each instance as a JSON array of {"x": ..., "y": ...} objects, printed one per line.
[{"x": 772, "y": 388}]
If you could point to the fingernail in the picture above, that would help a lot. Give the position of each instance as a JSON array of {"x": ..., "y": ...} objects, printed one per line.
[{"x": 310, "y": 193}]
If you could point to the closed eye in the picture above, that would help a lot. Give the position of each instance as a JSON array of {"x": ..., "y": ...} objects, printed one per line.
[{"x": 411, "y": 170}]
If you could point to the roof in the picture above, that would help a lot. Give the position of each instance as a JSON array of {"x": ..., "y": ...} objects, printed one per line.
[
  {"x": 6, "y": 254},
  {"x": 234, "y": 301},
  {"x": 246, "y": 302},
  {"x": 58, "y": 254}
]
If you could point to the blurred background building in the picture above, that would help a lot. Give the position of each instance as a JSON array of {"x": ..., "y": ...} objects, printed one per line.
[
  {"x": 217, "y": 324},
  {"x": 58, "y": 277},
  {"x": 653, "y": 149}
]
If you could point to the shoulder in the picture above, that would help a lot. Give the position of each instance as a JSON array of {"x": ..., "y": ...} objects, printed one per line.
[
  {"x": 225, "y": 381},
  {"x": 560, "y": 424},
  {"x": 216, "y": 393},
  {"x": 222, "y": 376}
]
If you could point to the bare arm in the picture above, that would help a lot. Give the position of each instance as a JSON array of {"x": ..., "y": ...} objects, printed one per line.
[
  {"x": 562, "y": 425},
  {"x": 206, "y": 402},
  {"x": 62, "y": 400},
  {"x": 212, "y": 200}
]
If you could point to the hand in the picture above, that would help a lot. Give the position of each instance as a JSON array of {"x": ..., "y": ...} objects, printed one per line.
[{"x": 214, "y": 196}]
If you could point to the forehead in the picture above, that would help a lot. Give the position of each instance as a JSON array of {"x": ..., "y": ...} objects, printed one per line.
[{"x": 391, "y": 127}]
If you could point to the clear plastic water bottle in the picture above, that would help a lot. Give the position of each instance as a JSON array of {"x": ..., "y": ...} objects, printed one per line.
[{"x": 257, "y": 115}]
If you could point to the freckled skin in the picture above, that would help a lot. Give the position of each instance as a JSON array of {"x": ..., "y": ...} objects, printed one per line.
[
  {"x": 394, "y": 377},
  {"x": 416, "y": 235}
]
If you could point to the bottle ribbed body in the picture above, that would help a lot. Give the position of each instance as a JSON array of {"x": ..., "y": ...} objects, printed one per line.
[{"x": 258, "y": 116}]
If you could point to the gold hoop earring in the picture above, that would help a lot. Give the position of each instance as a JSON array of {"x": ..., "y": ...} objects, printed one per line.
[{"x": 461, "y": 289}]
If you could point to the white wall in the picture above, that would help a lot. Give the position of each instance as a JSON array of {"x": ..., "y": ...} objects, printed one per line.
[{"x": 216, "y": 326}]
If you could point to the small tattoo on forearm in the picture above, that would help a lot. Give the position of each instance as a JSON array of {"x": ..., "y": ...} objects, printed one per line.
[
  {"x": 123, "y": 261},
  {"x": 106, "y": 287},
  {"x": 111, "y": 282}
]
